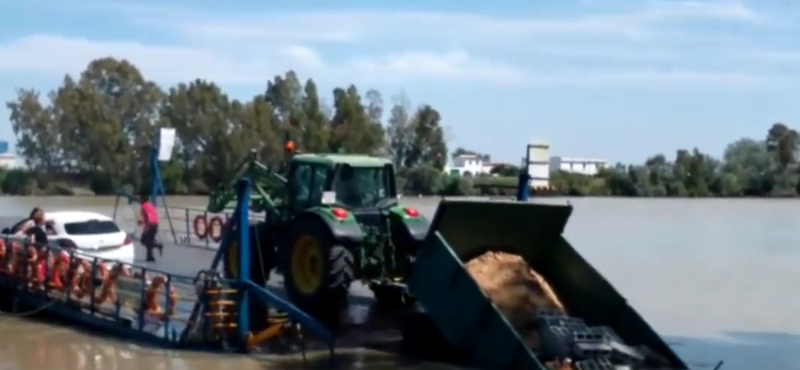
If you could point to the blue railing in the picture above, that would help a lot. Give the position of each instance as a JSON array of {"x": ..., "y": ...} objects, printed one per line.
[
  {"x": 185, "y": 226},
  {"x": 123, "y": 295},
  {"x": 125, "y": 299}
]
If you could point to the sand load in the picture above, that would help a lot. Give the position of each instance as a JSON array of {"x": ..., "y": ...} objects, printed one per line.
[{"x": 516, "y": 289}]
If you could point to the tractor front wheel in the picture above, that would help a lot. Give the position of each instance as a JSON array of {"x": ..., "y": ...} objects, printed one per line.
[
  {"x": 317, "y": 270},
  {"x": 262, "y": 255},
  {"x": 262, "y": 261}
]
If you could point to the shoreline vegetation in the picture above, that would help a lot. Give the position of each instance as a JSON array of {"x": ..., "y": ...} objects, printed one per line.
[{"x": 90, "y": 136}]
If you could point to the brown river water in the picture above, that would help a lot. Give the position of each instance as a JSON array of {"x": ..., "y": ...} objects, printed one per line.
[{"x": 718, "y": 278}]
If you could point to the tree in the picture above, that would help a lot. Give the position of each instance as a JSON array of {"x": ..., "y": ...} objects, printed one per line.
[
  {"x": 317, "y": 133},
  {"x": 399, "y": 131},
  {"x": 782, "y": 141},
  {"x": 38, "y": 140},
  {"x": 351, "y": 127},
  {"x": 427, "y": 143}
]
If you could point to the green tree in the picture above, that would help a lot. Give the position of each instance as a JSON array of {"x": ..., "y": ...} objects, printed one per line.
[
  {"x": 782, "y": 141},
  {"x": 427, "y": 143},
  {"x": 399, "y": 131}
]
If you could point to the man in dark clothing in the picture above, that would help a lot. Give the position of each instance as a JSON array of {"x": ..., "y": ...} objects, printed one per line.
[
  {"x": 148, "y": 218},
  {"x": 33, "y": 227}
]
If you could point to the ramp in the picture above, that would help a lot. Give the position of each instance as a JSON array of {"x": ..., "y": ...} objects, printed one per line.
[{"x": 462, "y": 230}]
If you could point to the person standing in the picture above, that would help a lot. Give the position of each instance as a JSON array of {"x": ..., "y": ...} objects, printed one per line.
[
  {"x": 33, "y": 227},
  {"x": 148, "y": 219}
]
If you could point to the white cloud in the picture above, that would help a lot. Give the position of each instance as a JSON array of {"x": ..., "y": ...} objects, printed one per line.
[
  {"x": 353, "y": 26},
  {"x": 58, "y": 55},
  {"x": 455, "y": 65},
  {"x": 615, "y": 47}
]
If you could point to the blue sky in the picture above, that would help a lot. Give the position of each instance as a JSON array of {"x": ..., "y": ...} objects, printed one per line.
[{"x": 612, "y": 79}]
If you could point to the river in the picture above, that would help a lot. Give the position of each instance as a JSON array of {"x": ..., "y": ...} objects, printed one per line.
[{"x": 716, "y": 277}]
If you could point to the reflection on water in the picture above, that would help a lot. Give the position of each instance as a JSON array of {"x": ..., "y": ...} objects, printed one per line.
[{"x": 31, "y": 345}]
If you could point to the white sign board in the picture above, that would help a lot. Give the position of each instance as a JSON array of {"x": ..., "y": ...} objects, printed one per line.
[
  {"x": 166, "y": 142},
  {"x": 328, "y": 197}
]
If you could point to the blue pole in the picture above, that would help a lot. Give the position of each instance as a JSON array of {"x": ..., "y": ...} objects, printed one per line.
[
  {"x": 155, "y": 176},
  {"x": 523, "y": 187},
  {"x": 524, "y": 179},
  {"x": 243, "y": 195}
]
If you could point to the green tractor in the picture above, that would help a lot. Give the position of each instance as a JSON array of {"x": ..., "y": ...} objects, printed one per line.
[{"x": 331, "y": 220}]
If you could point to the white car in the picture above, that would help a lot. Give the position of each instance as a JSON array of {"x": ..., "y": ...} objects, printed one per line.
[{"x": 90, "y": 233}]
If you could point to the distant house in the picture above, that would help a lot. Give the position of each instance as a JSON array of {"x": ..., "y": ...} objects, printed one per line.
[
  {"x": 582, "y": 166},
  {"x": 468, "y": 165},
  {"x": 8, "y": 161}
]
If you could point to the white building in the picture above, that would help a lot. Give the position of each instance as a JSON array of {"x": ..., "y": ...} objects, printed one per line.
[
  {"x": 468, "y": 165},
  {"x": 538, "y": 156},
  {"x": 583, "y": 166},
  {"x": 8, "y": 161}
]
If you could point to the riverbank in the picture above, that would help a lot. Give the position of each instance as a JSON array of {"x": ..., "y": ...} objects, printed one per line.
[{"x": 617, "y": 182}]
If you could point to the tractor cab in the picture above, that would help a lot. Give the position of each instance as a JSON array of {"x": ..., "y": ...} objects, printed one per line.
[{"x": 358, "y": 184}]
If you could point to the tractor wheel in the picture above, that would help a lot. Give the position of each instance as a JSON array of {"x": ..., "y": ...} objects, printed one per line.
[
  {"x": 317, "y": 271},
  {"x": 262, "y": 256}
]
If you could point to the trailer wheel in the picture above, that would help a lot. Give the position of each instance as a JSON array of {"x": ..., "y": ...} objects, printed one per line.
[{"x": 317, "y": 270}]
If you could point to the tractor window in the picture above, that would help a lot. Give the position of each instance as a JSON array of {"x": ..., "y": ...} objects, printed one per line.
[
  {"x": 299, "y": 184},
  {"x": 361, "y": 187},
  {"x": 320, "y": 174}
]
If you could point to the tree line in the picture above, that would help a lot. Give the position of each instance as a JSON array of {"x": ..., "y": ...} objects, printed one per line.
[
  {"x": 93, "y": 135},
  {"x": 749, "y": 167}
]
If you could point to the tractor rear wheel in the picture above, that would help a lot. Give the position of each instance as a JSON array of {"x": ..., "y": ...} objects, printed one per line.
[{"x": 317, "y": 270}]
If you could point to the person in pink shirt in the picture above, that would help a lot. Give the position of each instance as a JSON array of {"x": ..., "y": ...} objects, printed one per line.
[{"x": 148, "y": 219}]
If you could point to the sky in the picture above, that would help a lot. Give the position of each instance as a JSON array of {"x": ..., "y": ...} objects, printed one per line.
[{"x": 619, "y": 80}]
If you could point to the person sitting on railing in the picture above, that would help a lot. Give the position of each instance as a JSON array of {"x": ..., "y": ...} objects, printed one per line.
[
  {"x": 34, "y": 226},
  {"x": 148, "y": 218}
]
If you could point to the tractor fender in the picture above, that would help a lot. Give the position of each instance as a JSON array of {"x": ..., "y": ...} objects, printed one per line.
[
  {"x": 346, "y": 231},
  {"x": 413, "y": 228}
]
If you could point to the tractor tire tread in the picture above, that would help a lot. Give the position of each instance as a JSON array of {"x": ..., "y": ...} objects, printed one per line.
[{"x": 342, "y": 269}]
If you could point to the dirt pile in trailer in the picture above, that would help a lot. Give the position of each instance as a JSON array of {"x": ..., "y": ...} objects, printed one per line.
[{"x": 516, "y": 289}]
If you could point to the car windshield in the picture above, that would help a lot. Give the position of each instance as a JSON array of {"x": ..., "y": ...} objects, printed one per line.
[
  {"x": 93, "y": 227},
  {"x": 362, "y": 187}
]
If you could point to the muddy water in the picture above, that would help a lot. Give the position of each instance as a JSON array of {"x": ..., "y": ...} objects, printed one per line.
[{"x": 718, "y": 278}]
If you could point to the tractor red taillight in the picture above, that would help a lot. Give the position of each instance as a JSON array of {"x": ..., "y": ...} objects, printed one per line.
[
  {"x": 411, "y": 212},
  {"x": 339, "y": 213},
  {"x": 128, "y": 240}
]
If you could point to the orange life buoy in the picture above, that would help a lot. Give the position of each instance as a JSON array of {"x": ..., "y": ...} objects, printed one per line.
[
  {"x": 35, "y": 269},
  {"x": 151, "y": 299},
  {"x": 200, "y": 226},
  {"x": 58, "y": 272},
  {"x": 12, "y": 256},
  {"x": 83, "y": 281},
  {"x": 76, "y": 278},
  {"x": 102, "y": 275},
  {"x": 108, "y": 290},
  {"x": 2, "y": 257},
  {"x": 215, "y": 228}
]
